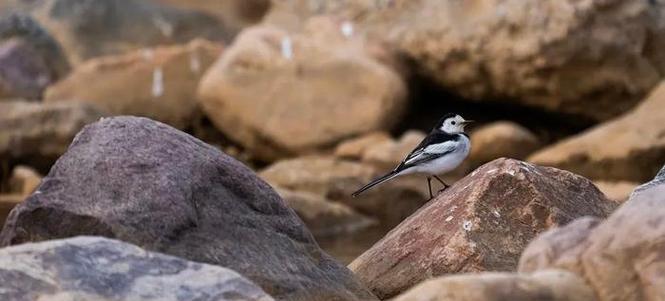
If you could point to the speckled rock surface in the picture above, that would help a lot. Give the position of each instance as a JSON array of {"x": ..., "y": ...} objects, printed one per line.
[
  {"x": 482, "y": 223},
  {"x": 141, "y": 181},
  {"x": 95, "y": 268}
]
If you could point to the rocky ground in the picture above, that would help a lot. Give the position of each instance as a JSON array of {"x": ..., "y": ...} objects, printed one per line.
[{"x": 204, "y": 150}]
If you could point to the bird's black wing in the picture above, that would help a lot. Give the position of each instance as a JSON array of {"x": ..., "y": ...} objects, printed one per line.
[{"x": 435, "y": 145}]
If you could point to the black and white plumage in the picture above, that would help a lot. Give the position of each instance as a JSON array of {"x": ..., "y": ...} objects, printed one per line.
[{"x": 444, "y": 148}]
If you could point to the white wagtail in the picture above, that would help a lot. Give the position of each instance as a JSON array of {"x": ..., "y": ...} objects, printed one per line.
[{"x": 444, "y": 148}]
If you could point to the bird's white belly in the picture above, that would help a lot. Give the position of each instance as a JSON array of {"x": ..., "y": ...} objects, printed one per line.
[{"x": 444, "y": 164}]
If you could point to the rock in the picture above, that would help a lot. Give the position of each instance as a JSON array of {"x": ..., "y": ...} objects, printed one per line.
[
  {"x": 324, "y": 217},
  {"x": 23, "y": 73},
  {"x": 621, "y": 258},
  {"x": 28, "y": 33},
  {"x": 628, "y": 148},
  {"x": 501, "y": 139},
  {"x": 95, "y": 268},
  {"x": 335, "y": 179},
  {"x": 616, "y": 191},
  {"x": 236, "y": 14},
  {"x": 508, "y": 50},
  {"x": 355, "y": 148},
  {"x": 88, "y": 29},
  {"x": 281, "y": 94},
  {"x": 482, "y": 223},
  {"x": 24, "y": 180},
  {"x": 159, "y": 83},
  {"x": 7, "y": 203},
  {"x": 149, "y": 184},
  {"x": 390, "y": 153},
  {"x": 553, "y": 285},
  {"x": 37, "y": 134}
]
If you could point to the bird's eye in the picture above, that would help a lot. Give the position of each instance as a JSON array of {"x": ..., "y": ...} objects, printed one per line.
[{"x": 453, "y": 123}]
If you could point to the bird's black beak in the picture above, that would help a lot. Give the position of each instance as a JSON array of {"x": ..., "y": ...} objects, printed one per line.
[{"x": 465, "y": 122}]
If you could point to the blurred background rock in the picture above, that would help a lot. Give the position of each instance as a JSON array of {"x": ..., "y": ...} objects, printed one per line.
[{"x": 318, "y": 97}]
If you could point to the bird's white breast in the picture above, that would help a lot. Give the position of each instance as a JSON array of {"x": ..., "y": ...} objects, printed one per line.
[{"x": 446, "y": 163}]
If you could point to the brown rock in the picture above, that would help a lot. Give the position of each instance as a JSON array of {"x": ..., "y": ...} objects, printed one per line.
[
  {"x": 481, "y": 223},
  {"x": 509, "y": 50},
  {"x": 37, "y": 134},
  {"x": 324, "y": 217},
  {"x": 501, "y": 139},
  {"x": 621, "y": 258},
  {"x": 24, "y": 180},
  {"x": 280, "y": 94},
  {"x": 235, "y": 14},
  {"x": 159, "y": 83},
  {"x": 355, "y": 148},
  {"x": 146, "y": 183},
  {"x": 551, "y": 285},
  {"x": 336, "y": 179},
  {"x": 629, "y": 148},
  {"x": 88, "y": 29},
  {"x": 391, "y": 153},
  {"x": 616, "y": 191}
]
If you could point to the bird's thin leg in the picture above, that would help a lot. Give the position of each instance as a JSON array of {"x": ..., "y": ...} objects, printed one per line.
[
  {"x": 445, "y": 186},
  {"x": 429, "y": 185}
]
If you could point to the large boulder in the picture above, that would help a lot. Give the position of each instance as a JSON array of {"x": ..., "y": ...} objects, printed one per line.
[
  {"x": 335, "y": 180},
  {"x": 95, "y": 268},
  {"x": 87, "y": 29},
  {"x": 159, "y": 83},
  {"x": 37, "y": 134},
  {"x": 621, "y": 258},
  {"x": 482, "y": 223},
  {"x": 628, "y": 148},
  {"x": 30, "y": 58},
  {"x": 280, "y": 94},
  {"x": 551, "y": 285},
  {"x": 149, "y": 184},
  {"x": 535, "y": 53}
]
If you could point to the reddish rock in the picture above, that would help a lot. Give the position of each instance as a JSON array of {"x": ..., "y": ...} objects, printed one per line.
[
  {"x": 621, "y": 258},
  {"x": 482, "y": 223}
]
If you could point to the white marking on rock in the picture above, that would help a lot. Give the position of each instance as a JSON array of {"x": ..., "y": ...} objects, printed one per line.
[
  {"x": 449, "y": 218},
  {"x": 491, "y": 171},
  {"x": 194, "y": 62},
  {"x": 453, "y": 208},
  {"x": 157, "y": 82},
  {"x": 467, "y": 225},
  {"x": 511, "y": 172},
  {"x": 496, "y": 213},
  {"x": 347, "y": 29},
  {"x": 287, "y": 48}
]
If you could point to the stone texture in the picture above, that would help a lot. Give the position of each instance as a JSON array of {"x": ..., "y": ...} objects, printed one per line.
[
  {"x": 88, "y": 29},
  {"x": 7, "y": 203},
  {"x": 501, "y": 139},
  {"x": 335, "y": 179},
  {"x": 234, "y": 14},
  {"x": 535, "y": 53},
  {"x": 482, "y": 223},
  {"x": 628, "y": 148},
  {"x": 621, "y": 258},
  {"x": 323, "y": 217},
  {"x": 21, "y": 26},
  {"x": 23, "y": 72},
  {"x": 551, "y": 285},
  {"x": 37, "y": 134},
  {"x": 280, "y": 94},
  {"x": 159, "y": 83},
  {"x": 149, "y": 184},
  {"x": 95, "y": 268}
]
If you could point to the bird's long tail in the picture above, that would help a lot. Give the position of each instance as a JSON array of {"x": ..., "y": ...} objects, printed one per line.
[{"x": 376, "y": 181}]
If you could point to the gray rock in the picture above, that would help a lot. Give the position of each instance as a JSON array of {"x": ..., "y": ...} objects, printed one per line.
[
  {"x": 89, "y": 28},
  {"x": 95, "y": 268},
  {"x": 23, "y": 72},
  {"x": 658, "y": 180},
  {"x": 144, "y": 182},
  {"x": 21, "y": 26}
]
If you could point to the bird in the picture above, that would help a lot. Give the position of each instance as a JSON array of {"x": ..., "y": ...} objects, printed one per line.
[{"x": 442, "y": 150}]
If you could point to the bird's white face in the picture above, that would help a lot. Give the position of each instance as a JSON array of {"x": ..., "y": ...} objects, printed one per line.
[{"x": 454, "y": 125}]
